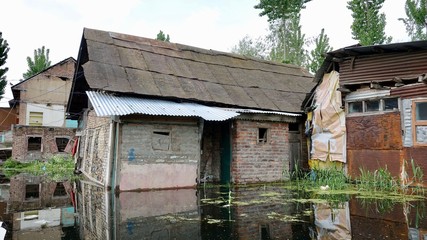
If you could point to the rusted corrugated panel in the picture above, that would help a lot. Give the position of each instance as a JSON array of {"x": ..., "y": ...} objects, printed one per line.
[
  {"x": 123, "y": 63},
  {"x": 371, "y": 160},
  {"x": 382, "y": 67},
  {"x": 410, "y": 91},
  {"x": 380, "y": 131}
]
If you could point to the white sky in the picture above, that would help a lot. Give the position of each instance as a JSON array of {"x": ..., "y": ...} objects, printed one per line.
[{"x": 212, "y": 24}]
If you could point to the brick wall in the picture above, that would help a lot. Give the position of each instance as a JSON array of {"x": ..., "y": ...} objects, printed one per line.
[
  {"x": 49, "y": 148},
  {"x": 259, "y": 162},
  {"x": 94, "y": 146}
]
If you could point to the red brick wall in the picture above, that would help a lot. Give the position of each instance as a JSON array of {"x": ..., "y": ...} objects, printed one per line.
[{"x": 259, "y": 162}]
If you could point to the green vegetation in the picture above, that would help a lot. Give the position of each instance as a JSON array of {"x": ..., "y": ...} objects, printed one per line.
[{"x": 56, "y": 168}]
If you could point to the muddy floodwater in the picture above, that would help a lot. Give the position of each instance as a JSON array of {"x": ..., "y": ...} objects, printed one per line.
[{"x": 35, "y": 208}]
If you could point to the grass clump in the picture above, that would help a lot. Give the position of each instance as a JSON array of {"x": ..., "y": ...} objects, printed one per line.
[{"x": 55, "y": 168}]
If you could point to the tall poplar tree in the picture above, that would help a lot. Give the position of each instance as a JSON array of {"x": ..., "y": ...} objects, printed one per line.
[
  {"x": 316, "y": 57},
  {"x": 40, "y": 62},
  {"x": 368, "y": 23},
  {"x": 4, "y": 49},
  {"x": 416, "y": 19},
  {"x": 251, "y": 47}
]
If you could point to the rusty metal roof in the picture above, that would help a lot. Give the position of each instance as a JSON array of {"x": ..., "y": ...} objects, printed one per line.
[
  {"x": 106, "y": 104},
  {"x": 126, "y": 64}
]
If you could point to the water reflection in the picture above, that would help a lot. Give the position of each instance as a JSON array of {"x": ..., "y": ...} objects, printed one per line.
[{"x": 37, "y": 208}]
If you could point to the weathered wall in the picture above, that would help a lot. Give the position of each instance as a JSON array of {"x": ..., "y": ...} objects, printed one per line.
[
  {"x": 95, "y": 146},
  {"x": 159, "y": 153},
  {"x": 210, "y": 157},
  {"x": 374, "y": 141},
  {"x": 7, "y": 118},
  {"x": 48, "y": 145},
  {"x": 259, "y": 162}
]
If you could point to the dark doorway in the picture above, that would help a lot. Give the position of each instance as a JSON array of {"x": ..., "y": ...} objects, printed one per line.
[{"x": 225, "y": 147}]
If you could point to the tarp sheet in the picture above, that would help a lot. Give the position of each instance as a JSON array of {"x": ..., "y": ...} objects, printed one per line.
[{"x": 328, "y": 123}]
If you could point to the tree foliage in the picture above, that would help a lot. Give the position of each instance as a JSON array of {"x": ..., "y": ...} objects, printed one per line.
[
  {"x": 316, "y": 57},
  {"x": 280, "y": 9},
  {"x": 251, "y": 47},
  {"x": 416, "y": 21},
  {"x": 162, "y": 37},
  {"x": 368, "y": 23},
  {"x": 40, "y": 62},
  {"x": 4, "y": 49}
]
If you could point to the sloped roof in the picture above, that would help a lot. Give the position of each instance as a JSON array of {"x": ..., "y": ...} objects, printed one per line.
[{"x": 125, "y": 64}]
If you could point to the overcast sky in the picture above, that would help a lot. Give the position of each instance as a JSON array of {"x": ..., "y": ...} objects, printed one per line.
[{"x": 212, "y": 24}]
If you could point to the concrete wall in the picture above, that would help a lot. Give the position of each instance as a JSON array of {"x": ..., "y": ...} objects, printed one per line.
[
  {"x": 48, "y": 144},
  {"x": 259, "y": 162},
  {"x": 159, "y": 153}
]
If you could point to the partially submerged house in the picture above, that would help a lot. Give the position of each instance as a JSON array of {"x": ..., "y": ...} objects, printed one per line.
[
  {"x": 376, "y": 97},
  {"x": 156, "y": 115},
  {"x": 40, "y": 101}
]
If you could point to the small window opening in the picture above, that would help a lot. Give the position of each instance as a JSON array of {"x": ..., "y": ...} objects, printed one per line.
[
  {"x": 61, "y": 144},
  {"x": 355, "y": 107},
  {"x": 32, "y": 191},
  {"x": 264, "y": 232},
  {"x": 293, "y": 127},
  {"x": 31, "y": 215},
  {"x": 34, "y": 144},
  {"x": 391, "y": 104},
  {"x": 59, "y": 190},
  {"x": 262, "y": 135},
  {"x": 372, "y": 105},
  {"x": 421, "y": 111},
  {"x": 161, "y": 140}
]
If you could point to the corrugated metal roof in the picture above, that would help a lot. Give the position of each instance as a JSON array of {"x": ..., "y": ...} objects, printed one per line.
[
  {"x": 110, "y": 105},
  {"x": 254, "y": 111}
]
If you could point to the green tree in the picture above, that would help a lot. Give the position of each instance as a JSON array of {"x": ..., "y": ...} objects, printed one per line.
[
  {"x": 316, "y": 57},
  {"x": 250, "y": 47},
  {"x": 280, "y": 9},
  {"x": 4, "y": 49},
  {"x": 368, "y": 23},
  {"x": 162, "y": 37},
  {"x": 40, "y": 62},
  {"x": 416, "y": 21}
]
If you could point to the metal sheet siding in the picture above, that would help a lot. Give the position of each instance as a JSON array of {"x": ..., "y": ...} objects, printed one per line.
[
  {"x": 382, "y": 67},
  {"x": 410, "y": 91},
  {"x": 109, "y": 105}
]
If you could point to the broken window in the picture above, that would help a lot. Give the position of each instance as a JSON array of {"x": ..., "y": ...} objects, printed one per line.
[
  {"x": 61, "y": 143},
  {"x": 32, "y": 191},
  {"x": 420, "y": 122},
  {"x": 262, "y": 135},
  {"x": 391, "y": 104},
  {"x": 34, "y": 144},
  {"x": 161, "y": 140}
]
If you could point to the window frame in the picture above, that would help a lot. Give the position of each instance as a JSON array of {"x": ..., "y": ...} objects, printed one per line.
[
  {"x": 365, "y": 111},
  {"x": 266, "y": 135},
  {"x": 416, "y": 122}
]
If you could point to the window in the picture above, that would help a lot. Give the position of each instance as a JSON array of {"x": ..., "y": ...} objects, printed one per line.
[
  {"x": 293, "y": 127},
  {"x": 36, "y": 119},
  {"x": 420, "y": 122},
  {"x": 373, "y": 105},
  {"x": 161, "y": 140},
  {"x": 32, "y": 191},
  {"x": 59, "y": 190},
  {"x": 34, "y": 144},
  {"x": 61, "y": 143},
  {"x": 262, "y": 135}
]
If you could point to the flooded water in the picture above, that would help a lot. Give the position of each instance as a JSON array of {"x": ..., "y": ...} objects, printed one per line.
[{"x": 36, "y": 208}]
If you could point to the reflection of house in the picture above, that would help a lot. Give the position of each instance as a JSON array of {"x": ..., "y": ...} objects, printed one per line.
[
  {"x": 165, "y": 115},
  {"x": 31, "y": 193},
  {"x": 384, "y": 88},
  {"x": 41, "y": 101}
]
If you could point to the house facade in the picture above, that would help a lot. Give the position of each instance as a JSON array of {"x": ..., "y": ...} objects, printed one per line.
[
  {"x": 383, "y": 89},
  {"x": 40, "y": 102},
  {"x": 158, "y": 115}
]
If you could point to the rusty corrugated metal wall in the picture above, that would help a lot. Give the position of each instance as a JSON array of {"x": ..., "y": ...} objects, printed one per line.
[
  {"x": 382, "y": 67},
  {"x": 410, "y": 91}
]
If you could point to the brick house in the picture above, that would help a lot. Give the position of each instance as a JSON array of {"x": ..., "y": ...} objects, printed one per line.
[
  {"x": 40, "y": 101},
  {"x": 382, "y": 92},
  {"x": 159, "y": 115}
]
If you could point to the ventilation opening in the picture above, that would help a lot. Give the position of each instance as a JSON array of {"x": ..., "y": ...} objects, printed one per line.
[
  {"x": 293, "y": 127},
  {"x": 59, "y": 190},
  {"x": 61, "y": 144},
  {"x": 161, "y": 140},
  {"x": 32, "y": 191},
  {"x": 262, "y": 135}
]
